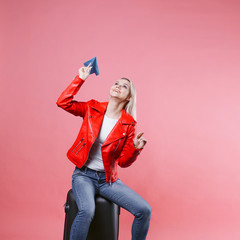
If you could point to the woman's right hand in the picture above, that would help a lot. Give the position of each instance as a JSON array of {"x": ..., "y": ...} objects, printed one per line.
[{"x": 84, "y": 72}]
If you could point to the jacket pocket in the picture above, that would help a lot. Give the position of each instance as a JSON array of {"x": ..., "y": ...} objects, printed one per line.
[
  {"x": 118, "y": 148},
  {"x": 79, "y": 146}
]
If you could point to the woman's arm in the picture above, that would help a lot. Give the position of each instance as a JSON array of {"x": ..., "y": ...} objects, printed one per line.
[
  {"x": 129, "y": 153},
  {"x": 66, "y": 102}
]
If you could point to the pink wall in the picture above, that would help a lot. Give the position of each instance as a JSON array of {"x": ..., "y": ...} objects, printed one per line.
[{"x": 183, "y": 57}]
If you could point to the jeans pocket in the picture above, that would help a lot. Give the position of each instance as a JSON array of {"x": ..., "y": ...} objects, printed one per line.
[{"x": 76, "y": 172}]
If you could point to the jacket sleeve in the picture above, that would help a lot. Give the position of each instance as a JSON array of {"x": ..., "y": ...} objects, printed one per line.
[
  {"x": 129, "y": 153},
  {"x": 66, "y": 102}
]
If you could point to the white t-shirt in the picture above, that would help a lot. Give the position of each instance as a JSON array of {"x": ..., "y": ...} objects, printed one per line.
[{"x": 94, "y": 160}]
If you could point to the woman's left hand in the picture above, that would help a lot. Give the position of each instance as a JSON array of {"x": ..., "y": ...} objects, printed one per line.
[{"x": 139, "y": 141}]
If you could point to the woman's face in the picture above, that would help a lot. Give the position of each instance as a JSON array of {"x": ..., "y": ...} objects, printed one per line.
[{"x": 120, "y": 89}]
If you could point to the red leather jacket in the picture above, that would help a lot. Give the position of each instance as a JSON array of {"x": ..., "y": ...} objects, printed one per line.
[{"x": 117, "y": 149}]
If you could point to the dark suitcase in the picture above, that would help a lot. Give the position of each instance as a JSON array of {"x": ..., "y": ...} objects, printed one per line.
[{"x": 105, "y": 224}]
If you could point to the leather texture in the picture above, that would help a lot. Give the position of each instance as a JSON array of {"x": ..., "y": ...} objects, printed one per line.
[
  {"x": 105, "y": 224},
  {"x": 117, "y": 149}
]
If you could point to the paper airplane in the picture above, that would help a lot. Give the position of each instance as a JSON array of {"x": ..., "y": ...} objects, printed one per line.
[{"x": 94, "y": 65}]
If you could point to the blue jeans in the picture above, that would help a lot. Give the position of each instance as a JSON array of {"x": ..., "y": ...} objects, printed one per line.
[{"x": 86, "y": 183}]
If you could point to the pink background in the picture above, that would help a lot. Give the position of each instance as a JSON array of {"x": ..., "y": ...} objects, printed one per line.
[{"x": 183, "y": 57}]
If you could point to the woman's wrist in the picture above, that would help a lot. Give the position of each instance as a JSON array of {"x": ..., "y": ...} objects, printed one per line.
[
  {"x": 136, "y": 147},
  {"x": 81, "y": 78}
]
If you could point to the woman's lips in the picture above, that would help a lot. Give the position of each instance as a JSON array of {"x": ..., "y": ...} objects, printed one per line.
[{"x": 117, "y": 91}]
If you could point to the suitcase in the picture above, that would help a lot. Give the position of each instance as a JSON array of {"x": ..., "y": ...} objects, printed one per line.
[{"x": 105, "y": 224}]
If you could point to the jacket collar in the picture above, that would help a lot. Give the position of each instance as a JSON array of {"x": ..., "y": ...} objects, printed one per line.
[{"x": 125, "y": 117}]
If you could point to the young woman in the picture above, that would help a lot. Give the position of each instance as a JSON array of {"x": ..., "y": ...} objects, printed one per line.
[{"x": 106, "y": 139}]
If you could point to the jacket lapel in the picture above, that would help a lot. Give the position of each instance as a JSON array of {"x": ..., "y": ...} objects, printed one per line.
[
  {"x": 96, "y": 115},
  {"x": 119, "y": 130}
]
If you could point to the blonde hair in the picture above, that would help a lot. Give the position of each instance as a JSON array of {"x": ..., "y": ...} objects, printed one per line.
[{"x": 130, "y": 106}]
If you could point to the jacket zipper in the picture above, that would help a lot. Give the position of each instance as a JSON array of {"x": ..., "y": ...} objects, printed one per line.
[
  {"x": 78, "y": 144},
  {"x": 80, "y": 148},
  {"x": 84, "y": 143},
  {"x": 91, "y": 128},
  {"x": 110, "y": 182},
  {"x": 93, "y": 141}
]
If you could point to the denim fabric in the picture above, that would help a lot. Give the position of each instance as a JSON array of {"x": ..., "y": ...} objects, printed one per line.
[{"x": 86, "y": 183}]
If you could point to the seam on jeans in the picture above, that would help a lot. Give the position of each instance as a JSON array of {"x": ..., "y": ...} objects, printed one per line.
[
  {"x": 77, "y": 174},
  {"x": 75, "y": 227},
  {"x": 133, "y": 208}
]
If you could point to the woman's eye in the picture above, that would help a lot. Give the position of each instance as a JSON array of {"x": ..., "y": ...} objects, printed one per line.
[
  {"x": 125, "y": 86},
  {"x": 116, "y": 83}
]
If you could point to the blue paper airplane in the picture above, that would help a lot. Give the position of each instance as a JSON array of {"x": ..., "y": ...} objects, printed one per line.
[{"x": 94, "y": 65}]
